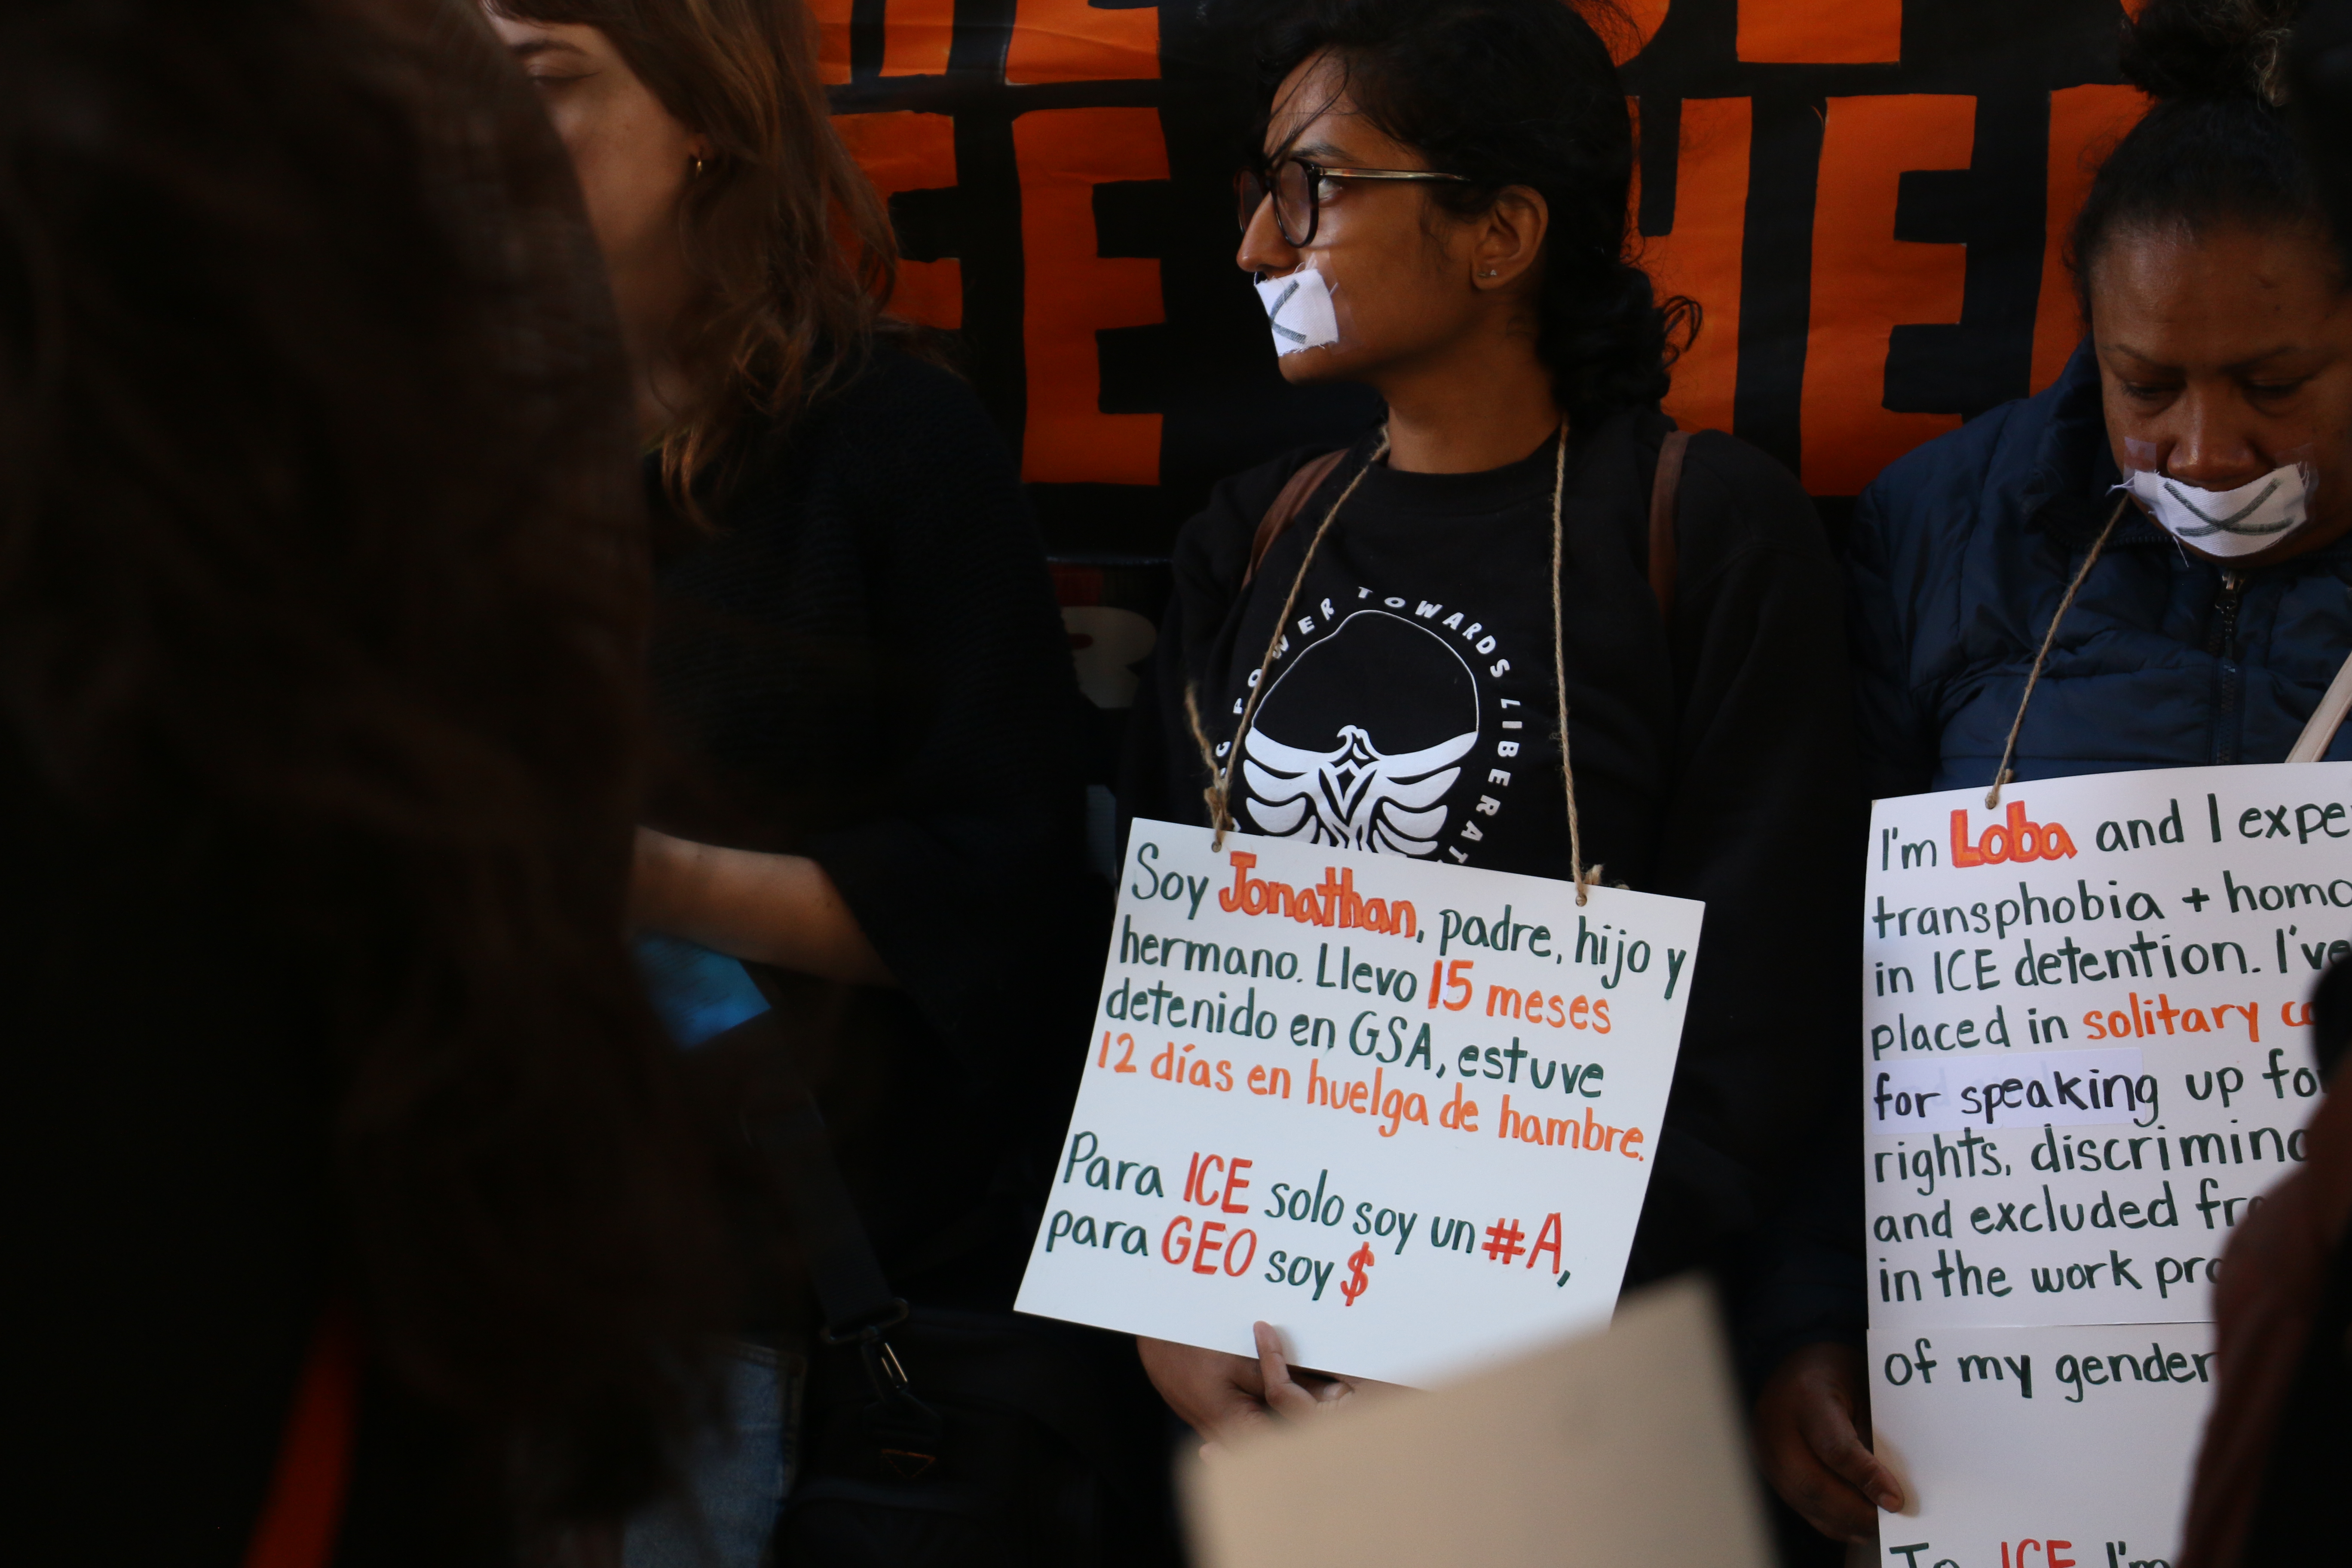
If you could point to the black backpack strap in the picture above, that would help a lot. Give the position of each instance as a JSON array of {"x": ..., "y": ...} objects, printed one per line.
[
  {"x": 855, "y": 1299},
  {"x": 852, "y": 1292}
]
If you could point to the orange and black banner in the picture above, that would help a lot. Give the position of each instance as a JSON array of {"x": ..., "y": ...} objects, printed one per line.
[{"x": 1868, "y": 199}]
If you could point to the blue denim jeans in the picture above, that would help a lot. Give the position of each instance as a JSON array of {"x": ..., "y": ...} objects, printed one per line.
[{"x": 736, "y": 1476}]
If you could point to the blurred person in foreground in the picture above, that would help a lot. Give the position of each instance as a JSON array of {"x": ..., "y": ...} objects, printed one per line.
[
  {"x": 356, "y": 1218},
  {"x": 2278, "y": 1444},
  {"x": 2270, "y": 1473}
]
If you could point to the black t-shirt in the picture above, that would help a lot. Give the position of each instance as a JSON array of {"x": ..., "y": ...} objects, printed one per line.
[
  {"x": 1410, "y": 709},
  {"x": 1412, "y": 712}
]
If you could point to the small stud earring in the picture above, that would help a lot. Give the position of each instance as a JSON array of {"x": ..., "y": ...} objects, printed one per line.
[
  {"x": 695, "y": 172},
  {"x": 1489, "y": 273}
]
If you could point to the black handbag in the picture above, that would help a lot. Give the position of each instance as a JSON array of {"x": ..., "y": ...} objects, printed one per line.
[{"x": 954, "y": 1438}]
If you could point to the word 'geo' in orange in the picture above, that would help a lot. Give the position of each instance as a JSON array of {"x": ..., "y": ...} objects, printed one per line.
[
  {"x": 1333, "y": 901},
  {"x": 2016, "y": 839},
  {"x": 1177, "y": 1244}
]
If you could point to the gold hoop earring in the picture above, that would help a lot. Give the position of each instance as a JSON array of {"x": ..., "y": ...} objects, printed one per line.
[{"x": 695, "y": 172}]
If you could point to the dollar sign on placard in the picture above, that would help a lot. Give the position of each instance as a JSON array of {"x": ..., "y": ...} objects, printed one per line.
[{"x": 1357, "y": 1284}]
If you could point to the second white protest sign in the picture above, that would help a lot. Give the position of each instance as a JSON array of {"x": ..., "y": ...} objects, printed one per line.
[
  {"x": 2085, "y": 1056},
  {"x": 2088, "y": 1034}
]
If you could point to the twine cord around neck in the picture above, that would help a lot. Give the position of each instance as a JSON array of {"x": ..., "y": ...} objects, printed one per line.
[
  {"x": 1560, "y": 669},
  {"x": 1219, "y": 793},
  {"x": 2000, "y": 775}
]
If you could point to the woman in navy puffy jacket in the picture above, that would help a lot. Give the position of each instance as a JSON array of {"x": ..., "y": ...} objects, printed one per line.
[
  {"x": 2218, "y": 359},
  {"x": 2188, "y": 481}
]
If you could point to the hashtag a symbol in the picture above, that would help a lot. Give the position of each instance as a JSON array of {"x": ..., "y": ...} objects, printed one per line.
[{"x": 1503, "y": 1238}]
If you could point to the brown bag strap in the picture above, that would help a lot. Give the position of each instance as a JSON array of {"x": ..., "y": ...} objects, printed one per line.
[
  {"x": 1288, "y": 504},
  {"x": 1663, "y": 490}
]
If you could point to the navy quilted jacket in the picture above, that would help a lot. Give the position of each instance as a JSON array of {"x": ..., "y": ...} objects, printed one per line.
[{"x": 1960, "y": 554}]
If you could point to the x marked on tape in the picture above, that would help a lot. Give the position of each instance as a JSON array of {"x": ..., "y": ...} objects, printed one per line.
[{"x": 1274, "y": 315}]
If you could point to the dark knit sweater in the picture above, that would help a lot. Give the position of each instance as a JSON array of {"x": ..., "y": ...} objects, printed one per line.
[
  {"x": 1712, "y": 756},
  {"x": 863, "y": 664}
]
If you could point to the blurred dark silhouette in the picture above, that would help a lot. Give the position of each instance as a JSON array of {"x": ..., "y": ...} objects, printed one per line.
[
  {"x": 2319, "y": 70},
  {"x": 2270, "y": 1475},
  {"x": 322, "y": 609},
  {"x": 2331, "y": 1018},
  {"x": 2270, "y": 1472}
]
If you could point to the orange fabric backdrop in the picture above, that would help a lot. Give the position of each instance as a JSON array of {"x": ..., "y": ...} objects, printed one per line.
[{"x": 1867, "y": 199}]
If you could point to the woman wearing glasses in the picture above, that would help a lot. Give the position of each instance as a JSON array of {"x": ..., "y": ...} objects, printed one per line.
[{"x": 1453, "y": 176}]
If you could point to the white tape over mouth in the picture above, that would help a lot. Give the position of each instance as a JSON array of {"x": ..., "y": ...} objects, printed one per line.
[
  {"x": 2241, "y": 521},
  {"x": 1299, "y": 310}
]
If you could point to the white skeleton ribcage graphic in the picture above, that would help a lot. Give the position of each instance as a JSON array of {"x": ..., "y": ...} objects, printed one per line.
[{"x": 1353, "y": 795}]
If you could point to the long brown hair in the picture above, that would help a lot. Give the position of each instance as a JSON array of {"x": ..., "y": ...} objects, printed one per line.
[
  {"x": 792, "y": 246},
  {"x": 321, "y": 560}
]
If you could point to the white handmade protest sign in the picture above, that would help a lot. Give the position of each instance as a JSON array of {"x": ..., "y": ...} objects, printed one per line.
[
  {"x": 2086, "y": 1040},
  {"x": 1405, "y": 1111},
  {"x": 2039, "y": 1447},
  {"x": 2086, "y": 1052}
]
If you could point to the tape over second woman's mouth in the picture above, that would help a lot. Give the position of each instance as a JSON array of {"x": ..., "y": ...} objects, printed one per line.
[
  {"x": 2242, "y": 521},
  {"x": 1298, "y": 310}
]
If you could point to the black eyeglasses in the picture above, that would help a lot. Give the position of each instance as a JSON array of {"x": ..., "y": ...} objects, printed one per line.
[{"x": 1297, "y": 187}]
